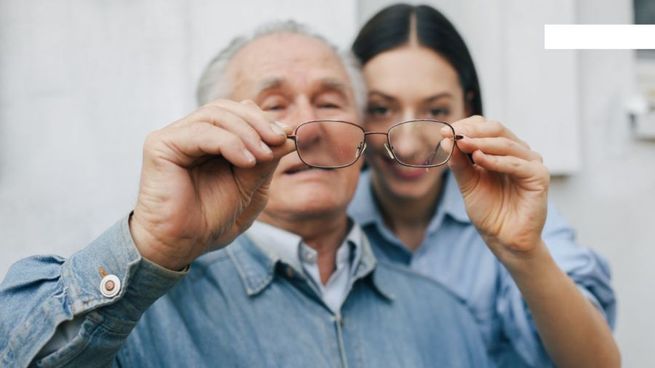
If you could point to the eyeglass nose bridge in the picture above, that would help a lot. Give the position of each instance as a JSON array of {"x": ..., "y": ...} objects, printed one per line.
[{"x": 386, "y": 145}]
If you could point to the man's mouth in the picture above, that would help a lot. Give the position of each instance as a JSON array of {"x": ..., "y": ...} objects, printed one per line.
[
  {"x": 296, "y": 169},
  {"x": 299, "y": 168}
]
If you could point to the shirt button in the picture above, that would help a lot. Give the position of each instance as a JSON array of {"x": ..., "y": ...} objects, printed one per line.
[
  {"x": 110, "y": 285},
  {"x": 290, "y": 272},
  {"x": 310, "y": 257}
]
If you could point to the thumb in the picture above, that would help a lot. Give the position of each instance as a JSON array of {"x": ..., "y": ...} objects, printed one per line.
[
  {"x": 462, "y": 166},
  {"x": 254, "y": 184},
  {"x": 262, "y": 172},
  {"x": 251, "y": 180}
]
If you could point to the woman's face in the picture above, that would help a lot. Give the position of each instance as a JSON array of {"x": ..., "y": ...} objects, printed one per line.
[{"x": 409, "y": 82}]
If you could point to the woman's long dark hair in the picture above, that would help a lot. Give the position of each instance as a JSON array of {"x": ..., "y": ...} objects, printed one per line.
[{"x": 390, "y": 28}]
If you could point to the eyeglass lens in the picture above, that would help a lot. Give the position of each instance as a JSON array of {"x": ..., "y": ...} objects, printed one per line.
[
  {"x": 329, "y": 144},
  {"x": 418, "y": 143}
]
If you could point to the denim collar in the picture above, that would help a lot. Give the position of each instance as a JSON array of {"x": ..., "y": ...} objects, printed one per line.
[
  {"x": 364, "y": 207},
  {"x": 258, "y": 268}
]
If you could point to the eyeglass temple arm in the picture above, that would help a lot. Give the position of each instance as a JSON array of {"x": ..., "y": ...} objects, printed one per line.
[{"x": 469, "y": 156}]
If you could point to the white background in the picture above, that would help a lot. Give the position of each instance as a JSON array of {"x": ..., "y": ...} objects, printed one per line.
[{"x": 83, "y": 81}]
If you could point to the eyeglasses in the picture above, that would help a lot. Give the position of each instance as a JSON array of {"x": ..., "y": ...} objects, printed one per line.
[{"x": 334, "y": 144}]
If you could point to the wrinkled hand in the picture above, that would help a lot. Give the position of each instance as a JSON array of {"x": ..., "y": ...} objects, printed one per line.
[
  {"x": 505, "y": 191},
  {"x": 204, "y": 180}
]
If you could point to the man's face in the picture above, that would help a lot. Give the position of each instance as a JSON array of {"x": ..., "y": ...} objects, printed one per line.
[{"x": 295, "y": 79}]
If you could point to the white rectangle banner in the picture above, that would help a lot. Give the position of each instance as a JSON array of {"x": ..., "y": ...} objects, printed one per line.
[{"x": 599, "y": 36}]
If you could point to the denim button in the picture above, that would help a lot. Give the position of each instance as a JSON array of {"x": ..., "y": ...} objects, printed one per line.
[{"x": 110, "y": 285}]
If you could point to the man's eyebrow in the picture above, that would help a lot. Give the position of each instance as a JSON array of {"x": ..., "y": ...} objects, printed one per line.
[
  {"x": 268, "y": 84},
  {"x": 329, "y": 83},
  {"x": 334, "y": 84}
]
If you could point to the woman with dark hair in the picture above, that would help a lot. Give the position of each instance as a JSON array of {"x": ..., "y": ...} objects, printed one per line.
[{"x": 479, "y": 227}]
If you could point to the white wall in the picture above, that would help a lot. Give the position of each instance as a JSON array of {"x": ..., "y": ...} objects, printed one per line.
[{"x": 611, "y": 199}]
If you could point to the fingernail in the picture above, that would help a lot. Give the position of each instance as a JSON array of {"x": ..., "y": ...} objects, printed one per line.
[
  {"x": 249, "y": 157},
  {"x": 278, "y": 129},
  {"x": 264, "y": 147}
]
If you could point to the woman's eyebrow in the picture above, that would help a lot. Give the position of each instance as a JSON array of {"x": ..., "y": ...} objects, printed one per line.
[
  {"x": 380, "y": 94},
  {"x": 439, "y": 96}
]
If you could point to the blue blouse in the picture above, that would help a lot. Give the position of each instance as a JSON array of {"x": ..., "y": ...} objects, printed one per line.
[{"x": 454, "y": 254}]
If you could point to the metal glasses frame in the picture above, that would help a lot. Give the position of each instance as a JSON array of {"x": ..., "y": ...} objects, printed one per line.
[{"x": 362, "y": 146}]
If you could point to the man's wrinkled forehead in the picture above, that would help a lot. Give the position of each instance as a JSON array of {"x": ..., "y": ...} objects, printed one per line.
[
  {"x": 277, "y": 60},
  {"x": 325, "y": 83}
]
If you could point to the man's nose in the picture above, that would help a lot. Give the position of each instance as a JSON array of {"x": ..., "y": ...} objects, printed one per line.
[{"x": 302, "y": 111}]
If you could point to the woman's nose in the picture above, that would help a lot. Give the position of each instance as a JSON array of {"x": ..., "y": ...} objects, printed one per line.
[{"x": 404, "y": 143}]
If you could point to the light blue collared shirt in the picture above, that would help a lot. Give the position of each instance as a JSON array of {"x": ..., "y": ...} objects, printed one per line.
[
  {"x": 454, "y": 254},
  {"x": 292, "y": 250}
]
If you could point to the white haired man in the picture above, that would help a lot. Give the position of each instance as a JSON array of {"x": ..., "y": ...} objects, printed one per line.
[{"x": 300, "y": 288}]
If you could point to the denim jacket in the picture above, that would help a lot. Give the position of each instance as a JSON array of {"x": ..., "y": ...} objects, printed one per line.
[{"x": 236, "y": 307}]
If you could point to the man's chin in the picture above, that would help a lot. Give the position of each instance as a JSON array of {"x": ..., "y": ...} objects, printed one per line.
[{"x": 312, "y": 209}]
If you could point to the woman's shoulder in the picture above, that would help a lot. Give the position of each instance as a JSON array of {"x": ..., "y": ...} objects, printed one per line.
[{"x": 404, "y": 282}]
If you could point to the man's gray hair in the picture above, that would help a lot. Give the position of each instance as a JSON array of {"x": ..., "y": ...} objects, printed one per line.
[{"x": 214, "y": 82}]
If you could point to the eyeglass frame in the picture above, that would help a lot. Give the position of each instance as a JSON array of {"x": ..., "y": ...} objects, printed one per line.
[{"x": 387, "y": 145}]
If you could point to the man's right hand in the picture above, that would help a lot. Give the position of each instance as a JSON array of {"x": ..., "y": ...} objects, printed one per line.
[{"x": 204, "y": 180}]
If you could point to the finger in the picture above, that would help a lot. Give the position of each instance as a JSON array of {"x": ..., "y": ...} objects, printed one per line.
[
  {"x": 186, "y": 145},
  {"x": 461, "y": 166},
  {"x": 236, "y": 124},
  {"x": 284, "y": 149},
  {"x": 269, "y": 130},
  {"x": 510, "y": 165},
  {"x": 257, "y": 181},
  {"x": 499, "y": 146},
  {"x": 477, "y": 126},
  {"x": 226, "y": 119}
]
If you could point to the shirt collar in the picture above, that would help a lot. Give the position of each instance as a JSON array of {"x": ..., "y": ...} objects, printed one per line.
[
  {"x": 279, "y": 244},
  {"x": 452, "y": 201},
  {"x": 258, "y": 252},
  {"x": 363, "y": 206}
]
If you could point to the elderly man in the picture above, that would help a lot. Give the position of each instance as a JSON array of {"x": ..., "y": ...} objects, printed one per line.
[{"x": 300, "y": 288}]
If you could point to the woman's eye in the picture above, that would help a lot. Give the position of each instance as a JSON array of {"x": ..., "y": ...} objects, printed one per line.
[
  {"x": 375, "y": 110},
  {"x": 439, "y": 112}
]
